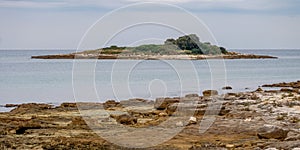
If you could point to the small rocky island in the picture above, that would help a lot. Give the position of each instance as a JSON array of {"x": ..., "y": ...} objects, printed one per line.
[
  {"x": 261, "y": 119},
  {"x": 187, "y": 47}
]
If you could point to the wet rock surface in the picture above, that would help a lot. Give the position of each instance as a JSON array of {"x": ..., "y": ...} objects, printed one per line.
[
  {"x": 284, "y": 84},
  {"x": 244, "y": 120}
]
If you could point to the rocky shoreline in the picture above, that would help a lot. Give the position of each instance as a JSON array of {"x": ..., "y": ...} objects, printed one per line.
[
  {"x": 246, "y": 120},
  {"x": 153, "y": 57}
]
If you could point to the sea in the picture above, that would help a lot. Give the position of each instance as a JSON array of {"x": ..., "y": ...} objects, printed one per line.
[{"x": 53, "y": 81}]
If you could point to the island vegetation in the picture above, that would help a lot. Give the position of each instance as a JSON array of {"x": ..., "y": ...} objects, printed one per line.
[
  {"x": 187, "y": 44},
  {"x": 184, "y": 47}
]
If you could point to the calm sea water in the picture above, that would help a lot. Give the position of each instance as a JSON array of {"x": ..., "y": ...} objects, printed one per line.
[{"x": 25, "y": 80}]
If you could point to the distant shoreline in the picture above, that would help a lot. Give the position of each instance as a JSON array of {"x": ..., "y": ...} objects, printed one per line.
[{"x": 153, "y": 57}]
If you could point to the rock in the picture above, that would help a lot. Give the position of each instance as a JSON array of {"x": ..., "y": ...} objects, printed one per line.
[
  {"x": 296, "y": 90},
  {"x": 163, "y": 103},
  {"x": 283, "y": 84},
  {"x": 259, "y": 90},
  {"x": 163, "y": 114},
  {"x": 293, "y": 136},
  {"x": 245, "y": 102},
  {"x": 31, "y": 108},
  {"x": 247, "y": 119},
  {"x": 68, "y": 105},
  {"x": 193, "y": 120},
  {"x": 286, "y": 90},
  {"x": 77, "y": 122},
  {"x": 192, "y": 95},
  {"x": 171, "y": 109},
  {"x": 125, "y": 119},
  {"x": 210, "y": 93},
  {"x": 229, "y": 98},
  {"x": 229, "y": 146},
  {"x": 11, "y": 105},
  {"x": 227, "y": 88},
  {"x": 271, "y": 132},
  {"x": 110, "y": 104}
]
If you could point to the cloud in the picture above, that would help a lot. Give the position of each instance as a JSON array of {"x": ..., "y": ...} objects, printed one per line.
[
  {"x": 30, "y": 4},
  {"x": 223, "y": 6}
]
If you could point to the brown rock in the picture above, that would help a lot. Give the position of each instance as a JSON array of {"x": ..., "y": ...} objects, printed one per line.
[
  {"x": 210, "y": 93},
  {"x": 125, "y": 119},
  {"x": 286, "y": 90},
  {"x": 272, "y": 132},
  {"x": 259, "y": 90},
  {"x": 192, "y": 95},
  {"x": 163, "y": 103},
  {"x": 227, "y": 88},
  {"x": 11, "y": 105},
  {"x": 68, "y": 105},
  {"x": 110, "y": 104},
  {"x": 30, "y": 108}
]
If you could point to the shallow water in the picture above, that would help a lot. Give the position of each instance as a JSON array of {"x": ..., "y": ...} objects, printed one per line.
[{"x": 50, "y": 81}]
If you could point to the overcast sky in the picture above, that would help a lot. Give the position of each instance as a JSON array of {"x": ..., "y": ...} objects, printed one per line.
[{"x": 60, "y": 24}]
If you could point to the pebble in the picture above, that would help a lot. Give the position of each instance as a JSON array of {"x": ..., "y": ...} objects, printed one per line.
[{"x": 229, "y": 146}]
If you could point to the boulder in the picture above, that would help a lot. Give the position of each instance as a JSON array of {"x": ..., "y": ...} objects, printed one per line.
[
  {"x": 271, "y": 132},
  {"x": 125, "y": 119},
  {"x": 163, "y": 103},
  {"x": 111, "y": 103},
  {"x": 210, "y": 93}
]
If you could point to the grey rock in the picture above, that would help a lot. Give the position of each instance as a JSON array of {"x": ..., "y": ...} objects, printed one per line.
[{"x": 272, "y": 132}]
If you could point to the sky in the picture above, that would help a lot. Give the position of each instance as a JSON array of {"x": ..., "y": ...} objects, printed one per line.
[{"x": 235, "y": 24}]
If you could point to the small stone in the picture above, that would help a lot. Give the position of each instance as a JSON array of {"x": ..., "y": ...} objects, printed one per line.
[
  {"x": 229, "y": 146},
  {"x": 163, "y": 114},
  {"x": 247, "y": 119},
  {"x": 259, "y": 90},
  {"x": 192, "y": 120}
]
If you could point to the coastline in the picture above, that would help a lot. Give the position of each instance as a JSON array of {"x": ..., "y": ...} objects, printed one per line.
[
  {"x": 247, "y": 120},
  {"x": 154, "y": 57}
]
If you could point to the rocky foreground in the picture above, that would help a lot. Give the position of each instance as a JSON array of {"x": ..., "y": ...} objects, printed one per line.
[{"x": 247, "y": 120}]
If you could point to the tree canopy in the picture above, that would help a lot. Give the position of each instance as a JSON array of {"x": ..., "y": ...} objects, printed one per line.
[
  {"x": 187, "y": 44},
  {"x": 192, "y": 43}
]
